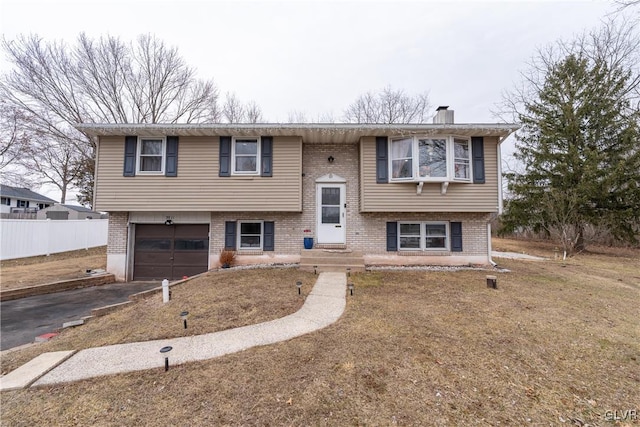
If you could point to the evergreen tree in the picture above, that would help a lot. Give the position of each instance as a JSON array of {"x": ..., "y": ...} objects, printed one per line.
[{"x": 579, "y": 146}]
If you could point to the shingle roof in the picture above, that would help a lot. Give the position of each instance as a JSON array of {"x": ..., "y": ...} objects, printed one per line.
[
  {"x": 23, "y": 194},
  {"x": 79, "y": 208}
]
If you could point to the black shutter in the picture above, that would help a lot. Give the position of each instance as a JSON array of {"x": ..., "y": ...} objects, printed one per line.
[
  {"x": 382, "y": 160},
  {"x": 130, "y": 151},
  {"x": 266, "y": 152},
  {"x": 230, "y": 235},
  {"x": 269, "y": 234},
  {"x": 225, "y": 156},
  {"x": 392, "y": 236},
  {"x": 477, "y": 151},
  {"x": 171, "y": 168},
  {"x": 456, "y": 236}
]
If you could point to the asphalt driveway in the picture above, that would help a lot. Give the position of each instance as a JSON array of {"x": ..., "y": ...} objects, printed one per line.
[{"x": 26, "y": 318}]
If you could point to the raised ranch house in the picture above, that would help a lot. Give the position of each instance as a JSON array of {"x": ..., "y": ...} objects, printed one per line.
[{"x": 177, "y": 194}]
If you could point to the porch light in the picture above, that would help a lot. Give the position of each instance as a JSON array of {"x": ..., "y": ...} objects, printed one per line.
[
  {"x": 350, "y": 286},
  {"x": 183, "y": 316},
  {"x": 168, "y": 222},
  {"x": 163, "y": 352},
  {"x": 330, "y": 159},
  {"x": 299, "y": 286}
]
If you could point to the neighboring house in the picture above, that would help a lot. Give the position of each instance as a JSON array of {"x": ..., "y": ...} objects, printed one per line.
[
  {"x": 404, "y": 194},
  {"x": 59, "y": 211},
  {"x": 15, "y": 200}
]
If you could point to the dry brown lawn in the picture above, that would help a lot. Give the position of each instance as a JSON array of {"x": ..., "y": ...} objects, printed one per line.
[
  {"x": 17, "y": 273},
  {"x": 557, "y": 343}
]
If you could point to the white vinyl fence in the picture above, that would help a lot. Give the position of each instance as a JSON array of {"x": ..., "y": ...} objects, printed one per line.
[{"x": 24, "y": 238}]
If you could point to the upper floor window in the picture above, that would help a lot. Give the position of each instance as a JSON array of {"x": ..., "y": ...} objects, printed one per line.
[
  {"x": 151, "y": 155},
  {"x": 246, "y": 155},
  {"x": 441, "y": 158}
]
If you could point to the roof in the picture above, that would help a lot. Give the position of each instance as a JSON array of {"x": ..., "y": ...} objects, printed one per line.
[
  {"x": 310, "y": 132},
  {"x": 23, "y": 194},
  {"x": 79, "y": 208}
]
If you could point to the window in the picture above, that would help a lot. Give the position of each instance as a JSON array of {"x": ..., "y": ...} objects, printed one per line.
[
  {"x": 151, "y": 155},
  {"x": 433, "y": 157},
  {"x": 440, "y": 159},
  {"x": 246, "y": 156},
  {"x": 422, "y": 236},
  {"x": 22, "y": 203},
  {"x": 461, "y": 156},
  {"x": 6, "y": 201},
  {"x": 402, "y": 158},
  {"x": 250, "y": 236}
]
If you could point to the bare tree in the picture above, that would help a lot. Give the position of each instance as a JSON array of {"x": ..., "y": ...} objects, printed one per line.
[
  {"x": 253, "y": 113},
  {"x": 388, "y": 106},
  {"x": 100, "y": 80},
  {"x": 14, "y": 139},
  {"x": 297, "y": 116}
]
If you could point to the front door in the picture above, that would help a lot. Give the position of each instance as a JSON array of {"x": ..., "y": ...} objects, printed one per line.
[{"x": 331, "y": 217}]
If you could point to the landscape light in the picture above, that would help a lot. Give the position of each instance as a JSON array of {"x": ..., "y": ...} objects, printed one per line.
[
  {"x": 350, "y": 286},
  {"x": 315, "y": 269},
  {"x": 183, "y": 316},
  {"x": 164, "y": 351},
  {"x": 348, "y": 271},
  {"x": 299, "y": 285}
]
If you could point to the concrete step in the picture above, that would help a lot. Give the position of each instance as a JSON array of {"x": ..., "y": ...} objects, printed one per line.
[
  {"x": 355, "y": 268},
  {"x": 338, "y": 253},
  {"x": 331, "y": 260}
]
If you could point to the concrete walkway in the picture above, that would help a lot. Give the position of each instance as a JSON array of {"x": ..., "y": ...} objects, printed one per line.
[
  {"x": 322, "y": 307},
  {"x": 515, "y": 255}
]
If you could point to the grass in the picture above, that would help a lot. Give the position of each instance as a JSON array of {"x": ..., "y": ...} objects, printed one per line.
[
  {"x": 17, "y": 273},
  {"x": 557, "y": 342}
]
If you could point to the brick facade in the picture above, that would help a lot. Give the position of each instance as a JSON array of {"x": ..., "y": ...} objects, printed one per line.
[{"x": 118, "y": 226}]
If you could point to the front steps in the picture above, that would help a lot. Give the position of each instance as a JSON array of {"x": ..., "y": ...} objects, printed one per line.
[{"x": 335, "y": 260}]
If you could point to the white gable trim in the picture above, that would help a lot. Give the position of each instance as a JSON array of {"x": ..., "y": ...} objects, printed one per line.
[{"x": 331, "y": 178}]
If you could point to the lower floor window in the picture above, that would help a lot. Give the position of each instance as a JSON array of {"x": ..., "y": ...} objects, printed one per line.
[
  {"x": 250, "y": 236},
  {"x": 422, "y": 236}
]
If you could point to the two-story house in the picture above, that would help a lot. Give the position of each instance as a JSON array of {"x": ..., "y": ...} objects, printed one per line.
[{"x": 404, "y": 194}]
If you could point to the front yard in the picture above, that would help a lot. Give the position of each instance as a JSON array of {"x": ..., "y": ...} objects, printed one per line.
[{"x": 557, "y": 342}]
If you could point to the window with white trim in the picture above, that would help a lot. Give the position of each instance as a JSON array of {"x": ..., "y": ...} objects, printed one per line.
[
  {"x": 250, "y": 235},
  {"x": 423, "y": 236},
  {"x": 433, "y": 158},
  {"x": 151, "y": 155},
  {"x": 246, "y": 155}
]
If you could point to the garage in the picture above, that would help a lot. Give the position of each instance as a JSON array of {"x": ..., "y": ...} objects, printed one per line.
[{"x": 170, "y": 251}]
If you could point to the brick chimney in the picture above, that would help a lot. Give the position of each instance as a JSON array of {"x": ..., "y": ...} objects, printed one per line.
[{"x": 443, "y": 116}]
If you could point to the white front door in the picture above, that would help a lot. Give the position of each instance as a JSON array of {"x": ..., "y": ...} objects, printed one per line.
[{"x": 331, "y": 213}]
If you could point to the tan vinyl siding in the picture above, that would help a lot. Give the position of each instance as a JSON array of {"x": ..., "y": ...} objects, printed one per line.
[
  {"x": 198, "y": 186},
  {"x": 402, "y": 197}
]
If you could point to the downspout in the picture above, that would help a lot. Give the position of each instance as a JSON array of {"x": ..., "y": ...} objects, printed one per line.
[
  {"x": 489, "y": 249},
  {"x": 500, "y": 202}
]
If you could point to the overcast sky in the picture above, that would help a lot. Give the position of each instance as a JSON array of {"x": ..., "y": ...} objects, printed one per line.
[{"x": 316, "y": 57}]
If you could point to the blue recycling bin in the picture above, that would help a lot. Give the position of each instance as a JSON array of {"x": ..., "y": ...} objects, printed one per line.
[{"x": 308, "y": 242}]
